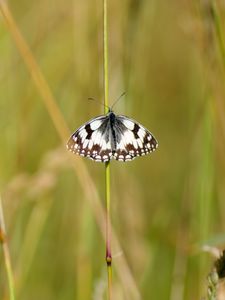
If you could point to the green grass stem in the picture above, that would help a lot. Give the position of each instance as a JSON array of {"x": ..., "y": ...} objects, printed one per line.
[
  {"x": 107, "y": 164},
  {"x": 105, "y": 57}
]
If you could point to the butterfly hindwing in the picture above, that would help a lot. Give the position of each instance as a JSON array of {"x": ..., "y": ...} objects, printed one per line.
[
  {"x": 91, "y": 140},
  {"x": 133, "y": 139}
]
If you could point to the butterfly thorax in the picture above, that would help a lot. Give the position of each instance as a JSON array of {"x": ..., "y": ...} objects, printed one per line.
[{"x": 112, "y": 117}]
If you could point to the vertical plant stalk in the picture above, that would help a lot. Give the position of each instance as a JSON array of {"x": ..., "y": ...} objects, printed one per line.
[
  {"x": 108, "y": 229},
  {"x": 107, "y": 164},
  {"x": 3, "y": 241}
]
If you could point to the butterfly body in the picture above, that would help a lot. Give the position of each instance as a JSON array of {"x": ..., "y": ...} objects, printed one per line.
[{"x": 111, "y": 136}]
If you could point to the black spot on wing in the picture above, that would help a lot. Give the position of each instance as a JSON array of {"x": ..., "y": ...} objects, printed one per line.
[
  {"x": 135, "y": 130},
  {"x": 89, "y": 131}
]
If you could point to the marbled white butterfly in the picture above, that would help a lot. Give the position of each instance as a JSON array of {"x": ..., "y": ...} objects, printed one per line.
[{"x": 112, "y": 136}]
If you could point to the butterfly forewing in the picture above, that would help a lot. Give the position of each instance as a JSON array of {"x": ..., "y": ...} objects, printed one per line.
[
  {"x": 111, "y": 136},
  {"x": 92, "y": 140}
]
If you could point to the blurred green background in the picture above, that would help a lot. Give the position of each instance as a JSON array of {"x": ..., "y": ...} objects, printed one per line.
[{"x": 168, "y": 57}]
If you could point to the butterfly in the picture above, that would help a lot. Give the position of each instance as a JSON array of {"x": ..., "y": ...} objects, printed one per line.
[{"x": 112, "y": 136}]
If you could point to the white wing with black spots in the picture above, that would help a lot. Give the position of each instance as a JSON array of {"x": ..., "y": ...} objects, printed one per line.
[
  {"x": 90, "y": 140},
  {"x": 110, "y": 136},
  {"x": 133, "y": 139}
]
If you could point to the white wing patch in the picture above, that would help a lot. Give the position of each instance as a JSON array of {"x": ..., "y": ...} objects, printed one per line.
[
  {"x": 129, "y": 124},
  {"x": 95, "y": 124}
]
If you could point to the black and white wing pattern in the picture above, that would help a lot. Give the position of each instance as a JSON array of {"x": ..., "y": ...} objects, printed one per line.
[
  {"x": 92, "y": 140},
  {"x": 111, "y": 136},
  {"x": 133, "y": 139}
]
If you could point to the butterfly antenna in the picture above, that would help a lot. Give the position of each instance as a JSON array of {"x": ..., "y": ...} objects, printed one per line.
[
  {"x": 99, "y": 102},
  {"x": 118, "y": 99}
]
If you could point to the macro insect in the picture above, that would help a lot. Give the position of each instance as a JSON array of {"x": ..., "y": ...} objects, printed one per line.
[{"x": 112, "y": 136}]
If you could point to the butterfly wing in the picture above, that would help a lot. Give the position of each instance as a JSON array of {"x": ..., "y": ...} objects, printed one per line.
[
  {"x": 92, "y": 140},
  {"x": 132, "y": 139}
]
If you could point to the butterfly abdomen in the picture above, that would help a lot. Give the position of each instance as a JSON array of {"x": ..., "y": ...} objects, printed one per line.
[{"x": 112, "y": 118}]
